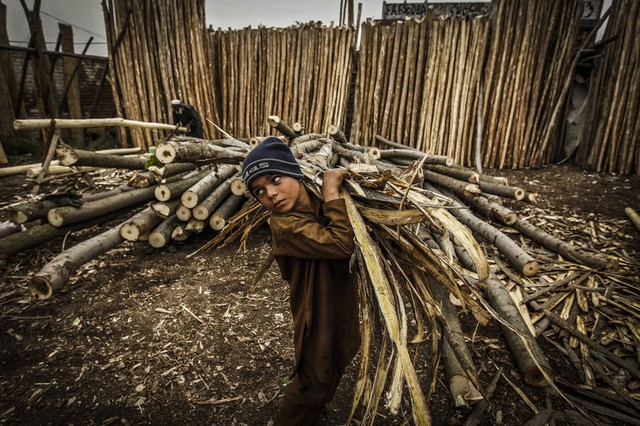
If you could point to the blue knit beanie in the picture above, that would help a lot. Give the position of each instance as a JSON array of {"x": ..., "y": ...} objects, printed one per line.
[{"x": 272, "y": 156}]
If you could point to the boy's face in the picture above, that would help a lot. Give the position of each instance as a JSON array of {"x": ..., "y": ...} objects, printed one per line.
[{"x": 278, "y": 193}]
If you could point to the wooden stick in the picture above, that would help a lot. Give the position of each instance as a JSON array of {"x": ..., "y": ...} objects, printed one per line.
[{"x": 62, "y": 123}]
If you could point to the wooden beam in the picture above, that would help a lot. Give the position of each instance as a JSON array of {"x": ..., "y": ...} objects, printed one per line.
[{"x": 72, "y": 86}]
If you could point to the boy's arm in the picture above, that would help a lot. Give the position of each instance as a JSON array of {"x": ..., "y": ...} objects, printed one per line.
[{"x": 300, "y": 235}]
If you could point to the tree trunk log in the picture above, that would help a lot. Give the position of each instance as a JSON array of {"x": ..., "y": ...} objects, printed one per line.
[
  {"x": 337, "y": 134},
  {"x": 519, "y": 258},
  {"x": 199, "y": 191},
  {"x": 459, "y": 187},
  {"x": 30, "y": 124},
  {"x": 521, "y": 342},
  {"x": 39, "y": 234},
  {"x": 32, "y": 210},
  {"x": 461, "y": 388},
  {"x": 491, "y": 209},
  {"x": 166, "y": 174},
  {"x": 206, "y": 208},
  {"x": 633, "y": 216},
  {"x": 225, "y": 211},
  {"x": 166, "y": 192},
  {"x": 140, "y": 224},
  {"x": 161, "y": 236},
  {"x": 565, "y": 249},
  {"x": 411, "y": 154},
  {"x": 189, "y": 152},
  {"x": 282, "y": 127},
  {"x": 455, "y": 172},
  {"x": 78, "y": 157},
  {"x": 504, "y": 191},
  {"x": 55, "y": 274},
  {"x": 63, "y": 216}
]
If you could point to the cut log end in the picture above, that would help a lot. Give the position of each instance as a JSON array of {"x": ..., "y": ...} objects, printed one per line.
[
  {"x": 253, "y": 142},
  {"x": 510, "y": 218},
  {"x": 374, "y": 153},
  {"x": 184, "y": 213},
  {"x": 238, "y": 187},
  {"x": 162, "y": 210},
  {"x": 162, "y": 193},
  {"x": 41, "y": 287},
  {"x": 157, "y": 240},
  {"x": 217, "y": 222},
  {"x": 66, "y": 156},
  {"x": 531, "y": 269},
  {"x": 180, "y": 233},
  {"x": 298, "y": 127},
  {"x": 518, "y": 194},
  {"x": 166, "y": 153},
  {"x": 189, "y": 199},
  {"x": 273, "y": 120},
  {"x": 19, "y": 217},
  {"x": 130, "y": 232},
  {"x": 55, "y": 218},
  {"x": 333, "y": 130},
  {"x": 534, "y": 377},
  {"x": 200, "y": 213}
]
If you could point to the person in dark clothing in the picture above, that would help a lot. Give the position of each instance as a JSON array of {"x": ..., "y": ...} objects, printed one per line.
[
  {"x": 187, "y": 116},
  {"x": 312, "y": 244}
]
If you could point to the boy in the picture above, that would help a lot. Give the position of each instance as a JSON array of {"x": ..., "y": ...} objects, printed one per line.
[{"x": 312, "y": 243}]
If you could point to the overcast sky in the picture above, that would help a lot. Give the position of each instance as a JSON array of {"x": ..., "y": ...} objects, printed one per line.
[{"x": 86, "y": 17}]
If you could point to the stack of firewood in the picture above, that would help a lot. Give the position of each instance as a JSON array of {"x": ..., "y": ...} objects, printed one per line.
[{"x": 416, "y": 218}]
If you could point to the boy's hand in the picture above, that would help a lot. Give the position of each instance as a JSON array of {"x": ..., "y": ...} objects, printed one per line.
[{"x": 331, "y": 181}]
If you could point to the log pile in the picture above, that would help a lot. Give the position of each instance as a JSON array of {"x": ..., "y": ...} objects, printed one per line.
[
  {"x": 525, "y": 78},
  {"x": 609, "y": 142},
  {"x": 177, "y": 190},
  {"x": 158, "y": 52},
  {"x": 435, "y": 243},
  {"x": 416, "y": 254},
  {"x": 486, "y": 91},
  {"x": 497, "y": 112},
  {"x": 430, "y": 67},
  {"x": 301, "y": 73}
]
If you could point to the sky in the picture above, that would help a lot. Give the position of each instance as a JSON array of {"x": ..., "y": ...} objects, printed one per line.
[{"x": 86, "y": 17}]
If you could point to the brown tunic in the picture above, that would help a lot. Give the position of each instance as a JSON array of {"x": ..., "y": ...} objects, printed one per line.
[{"x": 313, "y": 252}]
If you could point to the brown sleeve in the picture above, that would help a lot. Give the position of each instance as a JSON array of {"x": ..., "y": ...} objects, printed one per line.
[{"x": 300, "y": 235}]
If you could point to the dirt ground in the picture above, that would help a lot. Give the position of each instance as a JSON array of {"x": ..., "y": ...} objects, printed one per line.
[{"x": 146, "y": 336}]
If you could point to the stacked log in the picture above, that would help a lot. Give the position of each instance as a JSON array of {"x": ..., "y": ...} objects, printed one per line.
[
  {"x": 415, "y": 228},
  {"x": 436, "y": 69},
  {"x": 429, "y": 67},
  {"x": 609, "y": 142},
  {"x": 529, "y": 63},
  {"x": 300, "y": 73},
  {"x": 158, "y": 52},
  {"x": 180, "y": 188}
]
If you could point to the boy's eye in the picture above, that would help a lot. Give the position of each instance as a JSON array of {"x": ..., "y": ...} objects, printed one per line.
[
  {"x": 276, "y": 179},
  {"x": 258, "y": 192}
]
